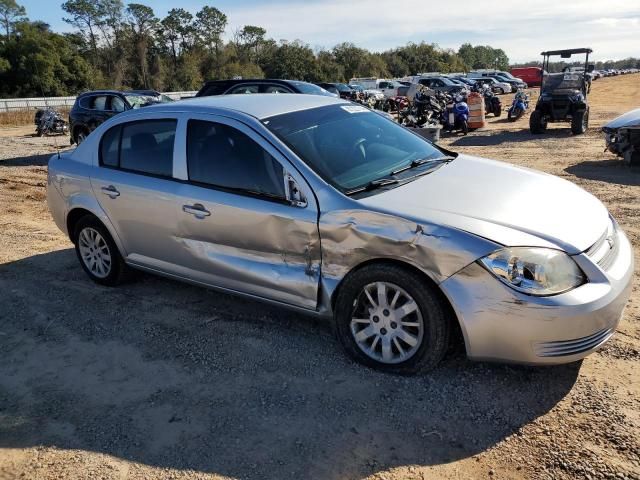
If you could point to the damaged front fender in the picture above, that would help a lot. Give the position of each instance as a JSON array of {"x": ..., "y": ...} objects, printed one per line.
[{"x": 353, "y": 237}]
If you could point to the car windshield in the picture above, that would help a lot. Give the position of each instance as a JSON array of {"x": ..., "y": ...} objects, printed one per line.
[
  {"x": 349, "y": 146},
  {"x": 137, "y": 100},
  {"x": 562, "y": 82},
  {"x": 342, "y": 87},
  {"x": 311, "y": 89}
]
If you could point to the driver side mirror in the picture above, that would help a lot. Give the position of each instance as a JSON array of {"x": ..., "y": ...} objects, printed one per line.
[{"x": 591, "y": 68}]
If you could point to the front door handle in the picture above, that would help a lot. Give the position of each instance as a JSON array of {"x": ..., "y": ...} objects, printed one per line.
[
  {"x": 111, "y": 191},
  {"x": 196, "y": 210}
]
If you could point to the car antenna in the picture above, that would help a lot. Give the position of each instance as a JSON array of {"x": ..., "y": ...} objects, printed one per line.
[{"x": 55, "y": 139}]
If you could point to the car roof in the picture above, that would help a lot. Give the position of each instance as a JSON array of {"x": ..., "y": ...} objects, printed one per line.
[
  {"x": 259, "y": 105},
  {"x": 116, "y": 92}
]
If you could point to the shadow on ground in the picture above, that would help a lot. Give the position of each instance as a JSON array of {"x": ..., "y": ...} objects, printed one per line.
[
  {"x": 171, "y": 375},
  {"x": 613, "y": 170},
  {"x": 492, "y": 138},
  {"x": 27, "y": 161}
]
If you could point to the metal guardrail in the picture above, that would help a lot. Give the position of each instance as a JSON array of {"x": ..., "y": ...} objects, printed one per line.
[{"x": 15, "y": 104}]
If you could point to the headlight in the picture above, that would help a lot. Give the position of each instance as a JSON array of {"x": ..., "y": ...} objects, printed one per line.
[{"x": 535, "y": 271}]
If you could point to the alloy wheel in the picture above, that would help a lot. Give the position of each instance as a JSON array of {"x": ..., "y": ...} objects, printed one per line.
[
  {"x": 386, "y": 323},
  {"x": 95, "y": 253}
]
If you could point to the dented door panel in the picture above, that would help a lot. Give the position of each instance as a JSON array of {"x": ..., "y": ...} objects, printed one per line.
[{"x": 251, "y": 245}]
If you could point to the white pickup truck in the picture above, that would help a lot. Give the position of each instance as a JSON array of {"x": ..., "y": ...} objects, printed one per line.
[{"x": 389, "y": 88}]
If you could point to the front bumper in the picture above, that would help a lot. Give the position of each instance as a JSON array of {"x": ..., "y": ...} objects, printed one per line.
[{"x": 501, "y": 324}]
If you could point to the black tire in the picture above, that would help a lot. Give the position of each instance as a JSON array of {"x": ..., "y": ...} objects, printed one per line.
[
  {"x": 517, "y": 113},
  {"x": 537, "y": 122},
  {"x": 435, "y": 339},
  {"x": 580, "y": 122},
  {"x": 38, "y": 132},
  {"x": 118, "y": 270},
  {"x": 498, "y": 112},
  {"x": 81, "y": 135},
  {"x": 464, "y": 127}
]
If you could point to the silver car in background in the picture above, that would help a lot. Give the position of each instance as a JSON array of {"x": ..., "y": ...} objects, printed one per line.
[{"x": 323, "y": 206}]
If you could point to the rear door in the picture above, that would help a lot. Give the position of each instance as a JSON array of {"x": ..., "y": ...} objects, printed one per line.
[
  {"x": 135, "y": 186},
  {"x": 236, "y": 227}
]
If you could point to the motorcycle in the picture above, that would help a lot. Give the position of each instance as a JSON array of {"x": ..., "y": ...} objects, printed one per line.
[
  {"x": 519, "y": 106},
  {"x": 426, "y": 108},
  {"x": 492, "y": 103},
  {"x": 50, "y": 122},
  {"x": 456, "y": 115},
  {"x": 395, "y": 104}
]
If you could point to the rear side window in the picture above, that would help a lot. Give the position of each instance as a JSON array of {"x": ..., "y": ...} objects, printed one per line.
[
  {"x": 94, "y": 102},
  {"x": 110, "y": 146},
  {"x": 245, "y": 89},
  {"x": 221, "y": 156},
  {"x": 142, "y": 147}
]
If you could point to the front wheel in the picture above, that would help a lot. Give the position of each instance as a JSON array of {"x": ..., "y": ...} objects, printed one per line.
[
  {"x": 389, "y": 318},
  {"x": 464, "y": 126},
  {"x": 580, "y": 122},
  {"x": 537, "y": 122}
]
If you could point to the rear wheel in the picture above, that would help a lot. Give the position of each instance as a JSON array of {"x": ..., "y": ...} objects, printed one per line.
[
  {"x": 81, "y": 135},
  {"x": 498, "y": 111},
  {"x": 389, "y": 318},
  {"x": 98, "y": 253},
  {"x": 537, "y": 122},
  {"x": 580, "y": 122}
]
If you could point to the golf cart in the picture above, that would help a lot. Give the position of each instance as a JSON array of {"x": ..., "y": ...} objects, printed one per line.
[{"x": 563, "y": 96}]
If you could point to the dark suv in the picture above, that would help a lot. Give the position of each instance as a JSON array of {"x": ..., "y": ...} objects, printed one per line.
[
  {"x": 261, "y": 85},
  {"x": 92, "y": 108}
]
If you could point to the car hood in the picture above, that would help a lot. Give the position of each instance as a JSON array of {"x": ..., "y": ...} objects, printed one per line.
[
  {"x": 629, "y": 119},
  {"x": 503, "y": 203}
]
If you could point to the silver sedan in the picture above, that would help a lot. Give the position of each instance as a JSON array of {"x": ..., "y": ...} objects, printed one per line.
[{"x": 326, "y": 207}]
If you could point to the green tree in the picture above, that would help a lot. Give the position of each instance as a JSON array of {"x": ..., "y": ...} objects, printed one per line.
[
  {"x": 294, "y": 60},
  {"x": 209, "y": 26},
  {"x": 142, "y": 23},
  {"x": 248, "y": 42},
  {"x": 36, "y": 61},
  {"x": 10, "y": 13},
  {"x": 85, "y": 16}
]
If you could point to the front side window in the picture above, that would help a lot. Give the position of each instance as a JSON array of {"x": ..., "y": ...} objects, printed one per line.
[
  {"x": 142, "y": 147},
  {"x": 117, "y": 104},
  {"x": 348, "y": 145},
  {"x": 276, "y": 89},
  {"x": 223, "y": 157}
]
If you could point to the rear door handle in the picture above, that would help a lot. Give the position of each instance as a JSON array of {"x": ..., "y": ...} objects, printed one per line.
[
  {"x": 111, "y": 191},
  {"x": 196, "y": 210}
]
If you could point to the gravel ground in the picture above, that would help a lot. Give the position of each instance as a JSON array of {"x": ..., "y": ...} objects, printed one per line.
[{"x": 158, "y": 379}]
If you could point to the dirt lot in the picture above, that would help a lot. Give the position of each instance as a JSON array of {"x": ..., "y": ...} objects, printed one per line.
[{"x": 162, "y": 380}]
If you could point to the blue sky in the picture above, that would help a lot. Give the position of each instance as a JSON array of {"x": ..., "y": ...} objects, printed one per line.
[{"x": 609, "y": 27}]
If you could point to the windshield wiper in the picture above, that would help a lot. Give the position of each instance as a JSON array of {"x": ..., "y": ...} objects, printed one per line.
[
  {"x": 372, "y": 185},
  {"x": 421, "y": 161}
]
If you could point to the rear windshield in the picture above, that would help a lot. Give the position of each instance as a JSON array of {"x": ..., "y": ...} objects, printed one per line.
[{"x": 309, "y": 88}]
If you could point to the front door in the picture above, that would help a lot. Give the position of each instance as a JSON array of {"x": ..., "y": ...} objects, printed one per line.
[{"x": 236, "y": 227}]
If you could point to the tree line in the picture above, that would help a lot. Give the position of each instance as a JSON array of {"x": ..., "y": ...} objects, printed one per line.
[{"x": 114, "y": 45}]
